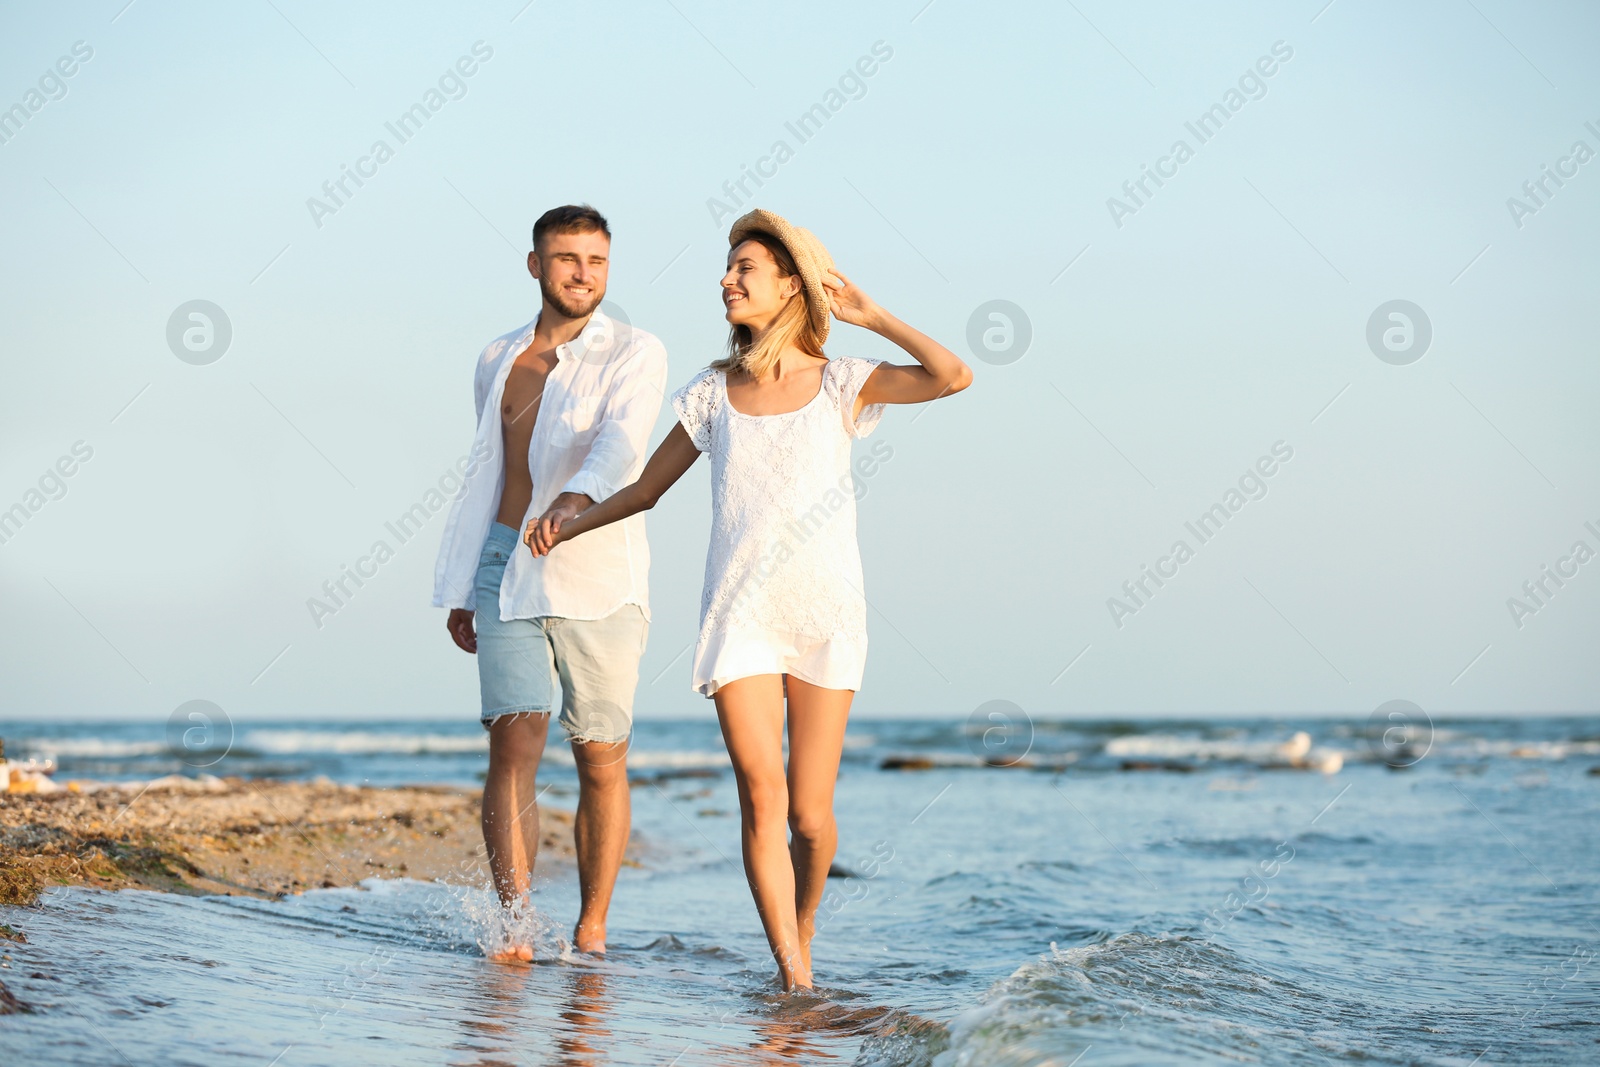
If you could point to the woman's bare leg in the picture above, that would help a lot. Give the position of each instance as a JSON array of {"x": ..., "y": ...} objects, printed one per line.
[
  {"x": 751, "y": 713},
  {"x": 817, "y": 719}
]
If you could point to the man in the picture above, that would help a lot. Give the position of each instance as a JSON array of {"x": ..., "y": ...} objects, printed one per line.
[{"x": 565, "y": 409}]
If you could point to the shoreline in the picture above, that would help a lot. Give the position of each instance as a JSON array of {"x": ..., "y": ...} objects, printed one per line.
[{"x": 254, "y": 837}]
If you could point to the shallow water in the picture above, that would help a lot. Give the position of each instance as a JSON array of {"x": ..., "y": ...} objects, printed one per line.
[{"x": 1441, "y": 914}]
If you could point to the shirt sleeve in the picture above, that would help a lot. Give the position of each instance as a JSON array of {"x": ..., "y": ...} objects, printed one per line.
[
  {"x": 626, "y": 420},
  {"x": 850, "y": 374},
  {"x": 695, "y": 404},
  {"x": 483, "y": 378}
]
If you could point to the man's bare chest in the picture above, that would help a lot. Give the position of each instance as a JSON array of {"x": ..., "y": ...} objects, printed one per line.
[{"x": 523, "y": 393}]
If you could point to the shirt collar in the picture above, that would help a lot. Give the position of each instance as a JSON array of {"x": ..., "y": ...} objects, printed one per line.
[{"x": 600, "y": 329}]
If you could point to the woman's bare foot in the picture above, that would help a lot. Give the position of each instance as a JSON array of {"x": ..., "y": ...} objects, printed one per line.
[
  {"x": 795, "y": 981},
  {"x": 794, "y": 971},
  {"x": 590, "y": 938},
  {"x": 805, "y": 956}
]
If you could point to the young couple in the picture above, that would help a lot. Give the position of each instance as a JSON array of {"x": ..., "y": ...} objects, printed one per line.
[{"x": 544, "y": 561}]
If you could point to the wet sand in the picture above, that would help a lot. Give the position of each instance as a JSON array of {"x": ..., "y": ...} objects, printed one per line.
[{"x": 251, "y": 837}]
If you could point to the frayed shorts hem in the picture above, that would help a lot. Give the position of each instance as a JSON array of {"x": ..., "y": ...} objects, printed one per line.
[
  {"x": 581, "y": 737},
  {"x": 489, "y": 718},
  {"x": 574, "y": 735}
]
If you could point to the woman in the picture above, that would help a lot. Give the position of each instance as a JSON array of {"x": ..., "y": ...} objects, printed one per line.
[{"x": 782, "y": 615}]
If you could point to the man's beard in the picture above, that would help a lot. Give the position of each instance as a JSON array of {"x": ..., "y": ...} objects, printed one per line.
[{"x": 570, "y": 308}]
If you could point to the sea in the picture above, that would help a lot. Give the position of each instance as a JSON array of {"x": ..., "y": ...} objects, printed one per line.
[{"x": 1009, "y": 892}]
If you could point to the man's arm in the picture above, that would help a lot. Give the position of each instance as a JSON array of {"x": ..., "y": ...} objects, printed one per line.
[
  {"x": 626, "y": 421},
  {"x": 630, "y": 413},
  {"x": 460, "y": 621},
  {"x": 489, "y": 361}
]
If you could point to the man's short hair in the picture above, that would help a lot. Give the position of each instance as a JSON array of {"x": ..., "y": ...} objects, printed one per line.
[{"x": 569, "y": 218}]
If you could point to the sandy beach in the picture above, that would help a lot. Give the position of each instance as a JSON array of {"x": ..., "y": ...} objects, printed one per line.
[{"x": 244, "y": 836}]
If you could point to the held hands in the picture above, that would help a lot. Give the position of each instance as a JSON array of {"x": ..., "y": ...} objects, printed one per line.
[
  {"x": 544, "y": 533},
  {"x": 849, "y": 303}
]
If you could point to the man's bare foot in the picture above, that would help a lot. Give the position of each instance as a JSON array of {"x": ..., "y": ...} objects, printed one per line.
[
  {"x": 511, "y": 938},
  {"x": 587, "y": 937},
  {"x": 513, "y": 954}
]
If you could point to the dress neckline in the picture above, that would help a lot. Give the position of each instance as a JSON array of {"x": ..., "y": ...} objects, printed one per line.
[{"x": 822, "y": 387}]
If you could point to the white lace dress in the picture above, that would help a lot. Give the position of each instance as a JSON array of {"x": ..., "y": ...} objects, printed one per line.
[{"x": 783, "y": 592}]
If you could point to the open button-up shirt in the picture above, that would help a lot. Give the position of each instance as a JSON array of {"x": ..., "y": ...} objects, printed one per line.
[{"x": 591, "y": 435}]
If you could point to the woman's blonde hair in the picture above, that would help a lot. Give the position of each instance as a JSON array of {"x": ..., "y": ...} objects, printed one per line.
[{"x": 791, "y": 327}]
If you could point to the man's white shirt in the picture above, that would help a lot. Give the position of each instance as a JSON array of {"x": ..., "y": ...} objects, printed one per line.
[{"x": 591, "y": 435}]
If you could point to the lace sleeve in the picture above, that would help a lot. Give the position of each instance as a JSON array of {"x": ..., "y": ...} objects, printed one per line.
[
  {"x": 695, "y": 404},
  {"x": 850, "y": 373}
]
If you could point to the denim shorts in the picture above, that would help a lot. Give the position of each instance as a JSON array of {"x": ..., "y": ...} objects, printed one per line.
[{"x": 520, "y": 660}]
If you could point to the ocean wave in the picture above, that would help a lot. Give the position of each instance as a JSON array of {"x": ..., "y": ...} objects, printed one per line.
[
  {"x": 1151, "y": 996},
  {"x": 1541, "y": 750},
  {"x": 367, "y": 743},
  {"x": 646, "y": 759},
  {"x": 688, "y": 759},
  {"x": 360, "y": 742},
  {"x": 87, "y": 747},
  {"x": 1173, "y": 746},
  {"x": 1296, "y": 751}
]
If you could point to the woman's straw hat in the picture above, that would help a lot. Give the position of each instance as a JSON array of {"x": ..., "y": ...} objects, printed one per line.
[{"x": 809, "y": 256}]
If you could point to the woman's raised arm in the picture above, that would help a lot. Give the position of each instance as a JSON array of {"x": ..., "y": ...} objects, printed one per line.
[
  {"x": 666, "y": 465},
  {"x": 939, "y": 371}
]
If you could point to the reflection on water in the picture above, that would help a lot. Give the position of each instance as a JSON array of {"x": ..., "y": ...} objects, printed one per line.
[
  {"x": 490, "y": 1022},
  {"x": 583, "y": 1043},
  {"x": 494, "y": 1022}
]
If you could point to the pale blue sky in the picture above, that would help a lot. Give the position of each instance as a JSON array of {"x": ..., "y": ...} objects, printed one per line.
[{"x": 1167, "y": 353}]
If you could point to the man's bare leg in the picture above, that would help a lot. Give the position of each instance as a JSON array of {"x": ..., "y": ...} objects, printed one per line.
[
  {"x": 817, "y": 718},
  {"x": 511, "y": 809},
  {"x": 600, "y": 834}
]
